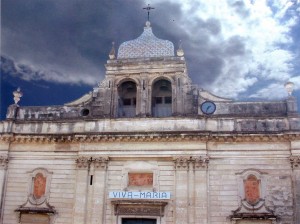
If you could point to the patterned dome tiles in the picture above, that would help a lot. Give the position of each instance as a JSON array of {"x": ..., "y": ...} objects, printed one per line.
[{"x": 146, "y": 45}]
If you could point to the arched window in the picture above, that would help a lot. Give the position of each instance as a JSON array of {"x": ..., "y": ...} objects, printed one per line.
[
  {"x": 252, "y": 189},
  {"x": 162, "y": 98},
  {"x": 127, "y": 99}
]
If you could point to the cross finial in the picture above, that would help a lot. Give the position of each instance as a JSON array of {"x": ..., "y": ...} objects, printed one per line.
[{"x": 148, "y": 8}]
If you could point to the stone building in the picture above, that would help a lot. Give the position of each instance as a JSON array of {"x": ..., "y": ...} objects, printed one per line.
[{"x": 148, "y": 146}]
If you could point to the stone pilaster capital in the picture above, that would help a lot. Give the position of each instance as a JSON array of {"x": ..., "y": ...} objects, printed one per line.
[
  {"x": 3, "y": 162},
  {"x": 83, "y": 162},
  {"x": 200, "y": 162},
  {"x": 181, "y": 163},
  {"x": 100, "y": 162},
  {"x": 295, "y": 162}
]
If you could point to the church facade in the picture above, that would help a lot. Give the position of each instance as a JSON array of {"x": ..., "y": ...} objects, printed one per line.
[{"x": 148, "y": 146}]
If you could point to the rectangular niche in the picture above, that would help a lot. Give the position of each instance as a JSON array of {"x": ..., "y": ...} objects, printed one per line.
[{"x": 140, "y": 179}]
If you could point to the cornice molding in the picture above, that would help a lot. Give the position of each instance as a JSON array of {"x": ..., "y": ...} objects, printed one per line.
[{"x": 157, "y": 137}]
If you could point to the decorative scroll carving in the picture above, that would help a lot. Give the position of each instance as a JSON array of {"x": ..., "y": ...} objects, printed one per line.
[
  {"x": 181, "y": 163},
  {"x": 83, "y": 162},
  {"x": 295, "y": 162},
  {"x": 3, "y": 162},
  {"x": 200, "y": 162},
  {"x": 147, "y": 208},
  {"x": 100, "y": 162}
]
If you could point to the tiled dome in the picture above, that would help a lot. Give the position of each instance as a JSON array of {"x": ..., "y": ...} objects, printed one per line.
[{"x": 146, "y": 45}]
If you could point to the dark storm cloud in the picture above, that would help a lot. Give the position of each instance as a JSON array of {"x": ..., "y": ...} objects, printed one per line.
[{"x": 68, "y": 36}]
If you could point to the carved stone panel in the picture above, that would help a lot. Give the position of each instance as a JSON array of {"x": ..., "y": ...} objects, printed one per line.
[
  {"x": 39, "y": 187},
  {"x": 140, "y": 179}
]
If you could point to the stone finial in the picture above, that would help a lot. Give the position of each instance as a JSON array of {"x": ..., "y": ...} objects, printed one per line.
[
  {"x": 112, "y": 53},
  {"x": 17, "y": 95},
  {"x": 180, "y": 52},
  {"x": 289, "y": 86}
]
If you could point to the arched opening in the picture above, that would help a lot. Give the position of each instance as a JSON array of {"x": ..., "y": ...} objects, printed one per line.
[
  {"x": 127, "y": 99},
  {"x": 162, "y": 98}
]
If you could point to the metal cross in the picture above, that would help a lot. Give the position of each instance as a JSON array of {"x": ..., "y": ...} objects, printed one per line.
[{"x": 148, "y": 8}]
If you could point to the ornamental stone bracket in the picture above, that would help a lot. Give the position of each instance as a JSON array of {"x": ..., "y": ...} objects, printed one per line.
[
  {"x": 84, "y": 162},
  {"x": 295, "y": 162},
  {"x": 100, "y": 162},
  {"x": 198, "y": 162},
  {"x": 3, "y": 162},
  {"x": 181, "y": 163}
]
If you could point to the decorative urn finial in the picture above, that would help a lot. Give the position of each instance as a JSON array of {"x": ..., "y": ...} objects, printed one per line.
[
  {"x": 289, "y": 86},
  {"x": 112, "y": 53},
  {"x": 17, "y": 95},
  {"x": 180, "y": 51}
]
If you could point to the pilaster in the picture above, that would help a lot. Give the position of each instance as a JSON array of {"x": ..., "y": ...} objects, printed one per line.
[
  {"x": 3, "y": 170},
  {"x": 200, "y": 165},
  {"x": 80, "y": 204},
  {"x": 181, "y": 190},
  {"x": 295, "y": 163},
  {"x": 98, "y": 189}
]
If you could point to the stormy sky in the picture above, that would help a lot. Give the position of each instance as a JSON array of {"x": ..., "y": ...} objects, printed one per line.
[{"x": 240, "y": 49}]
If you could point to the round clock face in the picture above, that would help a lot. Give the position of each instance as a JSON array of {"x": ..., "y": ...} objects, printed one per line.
[{"x": 208, "y": 107}]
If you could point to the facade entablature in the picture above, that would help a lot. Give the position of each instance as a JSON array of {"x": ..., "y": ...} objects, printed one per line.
[{"x": 138, "y": 125}]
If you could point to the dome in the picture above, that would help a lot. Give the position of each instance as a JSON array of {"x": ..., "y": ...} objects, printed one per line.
[{"x": 146, "y": 45}]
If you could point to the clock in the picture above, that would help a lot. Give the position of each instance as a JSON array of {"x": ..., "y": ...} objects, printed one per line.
[{"x": 208, "y": 107}]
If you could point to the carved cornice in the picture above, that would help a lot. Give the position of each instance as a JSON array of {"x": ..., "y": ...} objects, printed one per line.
[
  {"x": 157, "y": 137},
  {"x": 3, "y": 162},
  {"x": 295, "y": 162},
  {"x": 100, "y": 162}
]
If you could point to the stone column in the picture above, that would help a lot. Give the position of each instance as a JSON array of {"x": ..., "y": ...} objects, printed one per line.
[
  {"x": 98, "y": 185},
  {"x": 181, "y": 190},
  {"x": 295, "y": 162},
  {"x": 3, "y": 170},
  {"x": 200, "y": 165},
  {"x": 80, "y": 205}
]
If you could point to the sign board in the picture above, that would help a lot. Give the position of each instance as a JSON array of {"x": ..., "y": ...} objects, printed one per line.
[{"x": 139, "y": 195}]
